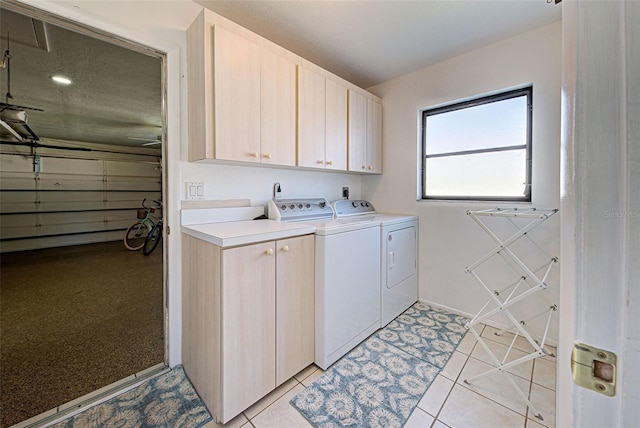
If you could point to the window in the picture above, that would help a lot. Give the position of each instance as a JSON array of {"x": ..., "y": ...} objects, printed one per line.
[{"x": 479, "y": 149}]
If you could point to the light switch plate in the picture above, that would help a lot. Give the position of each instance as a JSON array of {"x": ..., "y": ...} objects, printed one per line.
[{"x": 194, "y": 190}]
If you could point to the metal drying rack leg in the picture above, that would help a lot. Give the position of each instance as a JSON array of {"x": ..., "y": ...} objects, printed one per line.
[{"x": 529, "y": 283}]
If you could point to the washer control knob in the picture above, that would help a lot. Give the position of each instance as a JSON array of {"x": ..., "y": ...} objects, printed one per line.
[
  {"x": 292, "y": 206},
  {"x": 308, "y": 205},
  {"x": 355, "y": 204},
  {"x": 283, "y": 207},
  {"x": 362, "y": 204},
  {"x": 322, "y": 204},
  {"x": 300, "y": 206}
]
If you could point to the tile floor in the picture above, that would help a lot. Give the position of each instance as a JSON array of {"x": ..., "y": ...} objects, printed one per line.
[{"x": 449, "y": 402}]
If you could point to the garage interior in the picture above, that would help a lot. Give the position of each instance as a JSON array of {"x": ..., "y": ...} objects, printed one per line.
[{"x": 79, "y": 312}]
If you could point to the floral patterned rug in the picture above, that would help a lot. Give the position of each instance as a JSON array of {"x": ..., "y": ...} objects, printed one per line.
[
  {"x": 380, "y": 382},
  {"x": 168, "y": 400}
]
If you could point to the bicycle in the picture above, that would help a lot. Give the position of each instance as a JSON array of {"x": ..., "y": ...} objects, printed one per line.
[
  {"x": 153, "y": 238},
  {"x": 136, "y": 234}
]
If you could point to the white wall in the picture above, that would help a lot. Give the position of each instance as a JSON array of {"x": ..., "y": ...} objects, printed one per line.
[
  {"x": 228, "y": 182},
  {"x": 449, "y": 239}
]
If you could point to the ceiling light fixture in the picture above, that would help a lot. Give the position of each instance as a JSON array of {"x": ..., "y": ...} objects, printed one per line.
[{"x": 61, "y": 79}]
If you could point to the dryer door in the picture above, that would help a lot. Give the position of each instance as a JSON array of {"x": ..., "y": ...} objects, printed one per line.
[{"x": 401, "y": 255}]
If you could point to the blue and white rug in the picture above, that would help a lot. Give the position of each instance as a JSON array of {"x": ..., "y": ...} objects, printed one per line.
[
  {"x": 380, "y": 382},
  {"x": 168, "y": 400},
  {"x": 427, "y": 333}
]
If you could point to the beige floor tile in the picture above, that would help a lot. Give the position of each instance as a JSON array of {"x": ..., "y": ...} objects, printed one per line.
[
  {"x": 419, "y": 419},
  {"x": 469, "y": 341},
  {"x": 439, "y": 424},
  {"x": 552, "y": 353},
  {"x": 506, "y": 338},
  {"x": 544, "y": 401},
  {"x": 312, "y": 377},
  {"x": 238, "y": 421},
  {"x": 533, "y": 424},
  {"x": 435, "y": 396},
  {"x": 281, "y": 414},
  {"x": 544, "y": 373},
  {"x": 496, "y": 386},
  {"x": 454, "y": 365},
  {"x": 499, "y": 350},
  {"x": 305, "y": 373},
  {"x": 252, "y": 411},
  {"x": 465, "y": 408}
]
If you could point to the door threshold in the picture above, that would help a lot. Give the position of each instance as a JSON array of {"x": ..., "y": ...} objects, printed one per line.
[{"x": 101, "y": 395}]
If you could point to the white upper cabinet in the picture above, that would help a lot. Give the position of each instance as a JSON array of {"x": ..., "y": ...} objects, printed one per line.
[
  {"x": 236, "y": 97},
  {"x": 357, "y": 132},
  {"x": 336, "y": 126},
  {"x": 322, "y": 121},
  {"x": 374, "y": 137},
  {"x": 278, "y": 109},
  {"x": 251, "y": 100},
  {"x": 365, "y": 134},
  {"x": 311, "y": 118}
]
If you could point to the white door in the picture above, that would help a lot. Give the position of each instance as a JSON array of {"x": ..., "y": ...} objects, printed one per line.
[{"x": 600, "y": 207}]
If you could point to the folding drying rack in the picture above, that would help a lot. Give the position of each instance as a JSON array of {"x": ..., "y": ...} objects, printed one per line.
[{"x": 531, "y": 281}]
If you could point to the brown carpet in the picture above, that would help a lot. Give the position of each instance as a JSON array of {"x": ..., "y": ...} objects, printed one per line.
[{"x": 73, "y": 320}]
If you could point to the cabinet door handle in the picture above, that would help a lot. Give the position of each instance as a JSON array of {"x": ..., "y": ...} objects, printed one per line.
[
  {"x": 285, "y": 248},
  {"x": 369, "y": 167},
  {"x": 364, "y": 167},
  {"x": 253, "y": 154},
  {"x": 267, "y": 155},
  {"x": 329, "y": 162},
  {"x": 320, "y": 162},
  {"x": 269, "y": 252}
]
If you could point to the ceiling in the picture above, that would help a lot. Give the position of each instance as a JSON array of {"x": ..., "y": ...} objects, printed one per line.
[
  {"x": 116, "y": 95},
  {"x": 370, "y": 42}
]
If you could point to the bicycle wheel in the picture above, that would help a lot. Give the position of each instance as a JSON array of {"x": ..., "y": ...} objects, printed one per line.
[
  {"x": 135, "y": 236},
  {"x": 154, "y": 237}
]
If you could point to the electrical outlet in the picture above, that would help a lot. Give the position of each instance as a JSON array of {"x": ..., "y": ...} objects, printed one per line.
[
  {"x": 345, "y": 192},
  {"x": 195, "y": 190}
]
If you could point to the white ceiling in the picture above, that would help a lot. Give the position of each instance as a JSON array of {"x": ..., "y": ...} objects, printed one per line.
[
  {"x": 115, "y": 97},
  {"x": 372, "y": 41}
]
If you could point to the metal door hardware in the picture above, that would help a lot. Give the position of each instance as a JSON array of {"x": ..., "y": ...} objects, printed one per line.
[{"x": 594, "y": 368}]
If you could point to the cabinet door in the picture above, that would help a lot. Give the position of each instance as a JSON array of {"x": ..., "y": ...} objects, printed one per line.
[
  {"x": 237, "y": 97},
  {"x": 278, "y": 110},
  {"x": 311, "y": 118},
  {"x": 336, "y": 126},
  {"x": 357, "y": 132},
  {"x": 374, "y": 137},
  {"x": 248, "y": 325},
  {"x": 294, "y": 306}
]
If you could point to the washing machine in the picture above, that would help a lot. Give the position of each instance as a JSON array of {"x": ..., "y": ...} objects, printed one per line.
[
  {"x": 398, "y": 257},
  {"x": 347, "y": 275}
]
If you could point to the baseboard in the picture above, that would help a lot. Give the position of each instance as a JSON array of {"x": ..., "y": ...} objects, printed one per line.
[{"x": 491, "y": 323}]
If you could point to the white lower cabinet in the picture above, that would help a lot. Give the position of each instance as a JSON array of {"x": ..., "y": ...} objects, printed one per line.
[{"x": 248, "y": 318}]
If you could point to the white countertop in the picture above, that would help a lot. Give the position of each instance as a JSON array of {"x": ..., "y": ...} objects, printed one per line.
[{"x": 229, "y": 234}]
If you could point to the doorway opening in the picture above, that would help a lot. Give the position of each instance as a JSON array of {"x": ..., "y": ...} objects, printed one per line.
[{"x": 81, "y": 142}]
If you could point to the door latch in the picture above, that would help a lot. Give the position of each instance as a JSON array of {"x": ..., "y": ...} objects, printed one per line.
[{"x": 594, "y": 368}]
